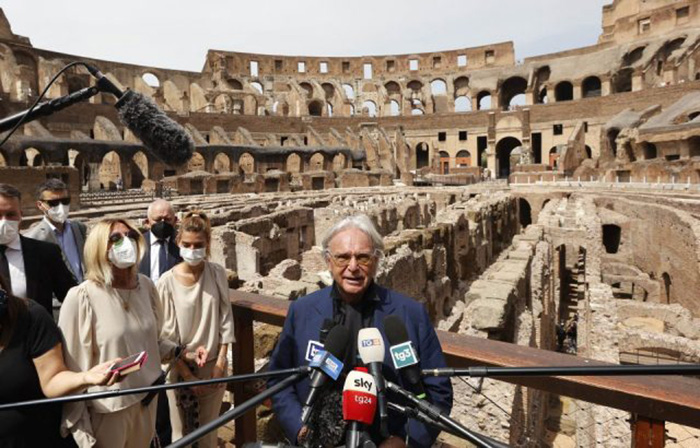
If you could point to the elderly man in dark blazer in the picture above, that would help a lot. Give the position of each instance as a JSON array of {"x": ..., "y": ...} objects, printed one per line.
[
  {"x": 163, "y": 253},
  {"x": 34, "y": 269}
]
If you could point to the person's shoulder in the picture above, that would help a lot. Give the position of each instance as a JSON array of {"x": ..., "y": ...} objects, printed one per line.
[
  {"x": 34, "y": 245},
  {"x": 37, "y": 231},
  {"x": 37, "y": 313},
  {"x": 400, "y": 300},
  {"x": 312, "y": 299}
]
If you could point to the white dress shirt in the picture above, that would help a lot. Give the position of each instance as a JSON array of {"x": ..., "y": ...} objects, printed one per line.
[
  {"x": 15, "y": 262},
  {"x": 155, "y": 252}
]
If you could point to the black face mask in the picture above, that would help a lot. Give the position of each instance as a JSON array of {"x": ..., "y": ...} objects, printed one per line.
[{"x": 162, "y": 230}]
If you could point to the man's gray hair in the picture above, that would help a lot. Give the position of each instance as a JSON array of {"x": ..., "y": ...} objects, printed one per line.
[{"x": 360, "y": 222}]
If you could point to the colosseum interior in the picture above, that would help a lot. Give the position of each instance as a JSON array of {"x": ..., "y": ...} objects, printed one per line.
[{"x": 512, "y": 197}]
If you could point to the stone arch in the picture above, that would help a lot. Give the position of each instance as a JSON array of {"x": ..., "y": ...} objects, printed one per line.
[
  {"x": 649, "y": 150},
  {"x": 503, "y": 149},
  {"x": 463, "y": 104},
  {"x": 461, "y": 86},
  {"x": 393, "y": 88},
  {"x": 317, "y": 162},
  {"x": 349, "y": 91},
  {"x": 524, "y": 213},
  {"x": 328, "y": 90},
  {"x": 222, "y": 163},
  {"x": 294, "y": 163},
  {"x": 417, "y": 107},
  {"x": 257, "y": 86},
  {"x": 339, "y": 162},
  {"x": 151, "y": 79},
  {"x": 510, "y": 89},
  {"x": 444, "y": 162},
  {"x": 138, "y": 167},
  {"x": 591, "y": 87},
  {"x": 564, "y": 91},
  {"x": 369, "y": 108},
  {"x": 196, "y": 162},
  {"x": 589, "y": 152},
  {"x": 622, "y": 80},
  {"x": 394, "y": 108},
  {"x": 31, "y": 157},
  {"x": 234, "y": 84},
  {"x": 308, "y": 88},
  {"x": 483, "y": 100},
  {"x": 438, "y": 86},
  {"x": 246, "y": 163},
  {"x": 110, "y": 171},
  {"x": 633, "y": 56},
  {"x": 27, "y": 60},
  {"x": 463, "y": 158},
  {"x": 553, "y": 157},
  {"x": 316, "y": 108},
  {"x": 422, "y": 155},
  {"x": 612, "y": 140},
  {"x": 415, "y": 85}
]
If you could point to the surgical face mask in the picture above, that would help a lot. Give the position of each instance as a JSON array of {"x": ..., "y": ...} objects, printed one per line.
[
  {"x": 122, "y": 254},
  {"x": 9, "y": 231},
  {"x": 162, "y": 230},
  {"x": 58, "y": 213},
  {"x": 193, "y": 256}
]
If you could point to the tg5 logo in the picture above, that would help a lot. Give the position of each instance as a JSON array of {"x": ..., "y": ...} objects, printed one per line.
[{"x": 403, "y": 355}]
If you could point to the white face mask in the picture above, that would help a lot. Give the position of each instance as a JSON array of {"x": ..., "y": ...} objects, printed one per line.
[
  {"x": 193, "y": 256},
  {"x": 9, "y": 231},
  {"x": 123, "y": 253},
  {"x": 58, "y": 213}
]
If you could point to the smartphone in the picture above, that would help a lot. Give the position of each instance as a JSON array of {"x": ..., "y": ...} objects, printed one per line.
[{"x": 130, "y": 364}]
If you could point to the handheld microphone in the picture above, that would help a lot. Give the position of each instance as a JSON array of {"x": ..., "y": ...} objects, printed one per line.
[
  {"x": 359, "y": 404},
  {"x": 403, "y": 355},
  {"x": 326, "y": 364},
  {"x": 370, "y": 346},
  {"x": 162, "y": 135}
]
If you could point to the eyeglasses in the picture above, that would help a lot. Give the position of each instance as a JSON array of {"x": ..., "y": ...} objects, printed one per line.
[
  {"x": 55, "y": 202},
  {"x": 343, "y": 260},
  {"x": 116, "y": 236}
]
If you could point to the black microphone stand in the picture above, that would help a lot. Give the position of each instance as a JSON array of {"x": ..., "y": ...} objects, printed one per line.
[
  {"x": 435, "y": 413},
  {"x": 118, "y": 392},
  {"x": 424, "y": 418},
  {"x": 236, "y": 412},
  {"x": 610, "y": 370}
]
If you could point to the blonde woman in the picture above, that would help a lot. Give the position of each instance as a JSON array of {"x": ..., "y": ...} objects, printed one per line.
[
  {"x": 113, "y": 313},
  {"x": 196, "y": 313}
]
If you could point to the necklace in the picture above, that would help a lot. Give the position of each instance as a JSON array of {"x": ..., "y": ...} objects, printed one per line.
[{"x": 125, "y": 296}]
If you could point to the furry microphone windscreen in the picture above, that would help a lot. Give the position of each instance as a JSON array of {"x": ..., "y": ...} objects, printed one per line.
[
  {"x": 162, "y": 135},
  {"x": 326, "y": 424}
]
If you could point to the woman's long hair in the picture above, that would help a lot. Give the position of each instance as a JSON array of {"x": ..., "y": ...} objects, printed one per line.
[
  {"x": 16, "y": 307},
  {"x": 97, "y": 265}
]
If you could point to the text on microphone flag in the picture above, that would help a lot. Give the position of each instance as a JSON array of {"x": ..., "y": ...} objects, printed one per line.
[
  {"x": 374, "y": 342},
  {"x": 403, "y": 355},
  {"x": 328, "y": 363}
]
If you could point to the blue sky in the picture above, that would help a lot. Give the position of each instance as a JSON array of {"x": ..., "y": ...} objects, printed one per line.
[{"x": 177, "y": 34}]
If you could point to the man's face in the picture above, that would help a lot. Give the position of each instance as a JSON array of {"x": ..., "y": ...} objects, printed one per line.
[
  {"x": 51, "y": 199},
  {"x": 10, "y": 209},
  {"x": 352, "y": 262},
  {"x": 162, "y": 211}
]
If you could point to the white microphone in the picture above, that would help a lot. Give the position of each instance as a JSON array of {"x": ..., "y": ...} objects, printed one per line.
[{"x": 370, "y": 346}]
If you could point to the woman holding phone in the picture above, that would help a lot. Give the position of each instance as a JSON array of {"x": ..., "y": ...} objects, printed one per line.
[
  {"x": 114, "y": 312},
  {"x": 196, "y": 313},
  {"x": 32, "y": 367}
]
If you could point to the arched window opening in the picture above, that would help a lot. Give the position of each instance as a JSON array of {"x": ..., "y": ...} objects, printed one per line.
[
  {"x": 394, "y": 108},
  {"x": 483, "y": 100},
  {"x": 151, "y": 79},
  {"x": 524, "y": 213},
  {"x": 666, "y": 279},
  {"x": 503, "y": 150},
  {"x": 257, "y": 86},
  {"x": 349, "y": 91},
  {"x": 463, "y": 159},
  {"x": 542, "y": 98},
  {"x": 591, "y": 87},
  {"x": 438, "y": 87},
  {"x": 512, "y": 87},
  {"x": 315, "y": 108},
  {"x": 649, "y": 151},
  {"x": 422, "y": 155},
  {"x": 463, "y": 104},
  {"x": 612, "y": 235},
  {"x": 564, "y": 91},
  {"x": 369, "y": 108}
]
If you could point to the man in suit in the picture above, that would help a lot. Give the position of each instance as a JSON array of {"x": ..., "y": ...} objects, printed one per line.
[
  {"x": 35, "y": 269},
  {"x": 53, "y": 200},
  {"x": 352, "y": 249},
  {"x": 163, "y": 255},
  {"x": 160, "y": 238}
]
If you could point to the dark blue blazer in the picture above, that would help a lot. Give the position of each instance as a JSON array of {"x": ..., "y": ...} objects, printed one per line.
[{"x": 303, "y": 323}]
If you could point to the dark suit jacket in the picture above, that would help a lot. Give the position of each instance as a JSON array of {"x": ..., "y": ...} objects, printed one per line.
[
  {"x": 43, "y": 232},
  {"x": 46, "y": 273},
  {"x": 173, "y": 255},
  {"x": 303, "y": 324}
]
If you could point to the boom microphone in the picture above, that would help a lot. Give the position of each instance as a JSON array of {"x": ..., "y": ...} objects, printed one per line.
[
  {"x": 403, "y": 355},
  {"x": 327, "y": 364},
  {"x": 162, "y": 135},
  {"x": 370, "y": 345},
  {"x": 359, "y": 404}
]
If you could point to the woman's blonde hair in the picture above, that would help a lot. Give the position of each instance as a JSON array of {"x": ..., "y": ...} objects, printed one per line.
[
  {"x": 98, "y": 266},
  {"x": 198, "y": 222}
]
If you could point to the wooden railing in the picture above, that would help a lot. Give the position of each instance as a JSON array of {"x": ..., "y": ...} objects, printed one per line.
[{"x": 652, "y": 400}]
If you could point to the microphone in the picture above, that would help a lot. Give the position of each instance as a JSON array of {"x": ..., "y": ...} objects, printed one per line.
[
  {"x": 359, "y": 404},
  {"x": 325, "y": 328},
  {"x": 326, "y": 363},
  {"x": 370, "y": 345},
  {"x": 166, "y": 139},
  {"x": 403, "y": 355}
]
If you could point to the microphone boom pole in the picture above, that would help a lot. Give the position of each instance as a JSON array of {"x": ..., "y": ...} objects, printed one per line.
[
  {"x": 609, "y": 370},
  {"x": 236, "y": 412}
]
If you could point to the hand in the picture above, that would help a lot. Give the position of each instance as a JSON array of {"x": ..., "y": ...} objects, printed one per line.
[
  {"x": 393, "y": 442},
  {"x": 100, "y": 375},
  {"x": 199, "y": 356},
  {"x": 303, "y": 433}
]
